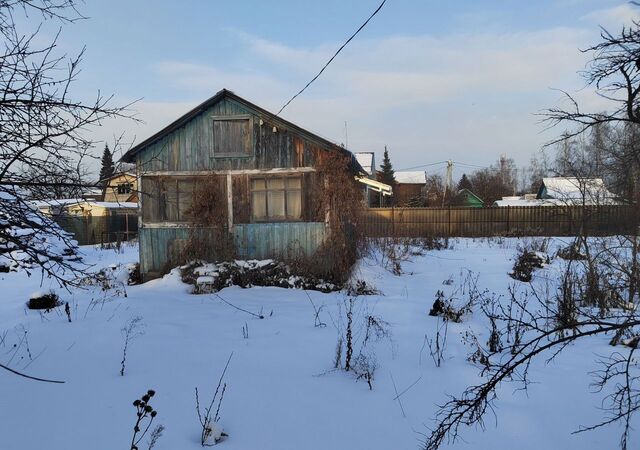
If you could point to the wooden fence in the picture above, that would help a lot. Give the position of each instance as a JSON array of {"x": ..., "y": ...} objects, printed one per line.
[
  {"x": 100, "y": 229},
  {"x": 503, "y": 221}
]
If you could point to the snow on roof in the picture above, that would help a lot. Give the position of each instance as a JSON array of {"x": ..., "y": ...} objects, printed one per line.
[
  {"x": 113, "y": 205},
  {"x": 54, "y": 202},
  {"x": 411, "y": 177},
  {"x": 520, "y": 201},
  {"x": 66, "y": 202},
  {"x": 365, "y": 159},
  {"x": 591, "y": 190}
]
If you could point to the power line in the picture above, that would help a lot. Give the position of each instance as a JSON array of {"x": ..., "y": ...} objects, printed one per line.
[
  {"x": 423, "y": 165},
  {"x": 470, "y": 165},
  {"x": 333, "y": 57}
]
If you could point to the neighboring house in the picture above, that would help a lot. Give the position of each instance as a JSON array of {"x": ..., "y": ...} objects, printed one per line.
[
  {"x": 520, "y": 200},
  {"x": 92, "y": 222},
  {"x": 100, "y": 209},
  {"x": 54, "y": 207},
  {"x": 263, "y": 170},
  {"x": 465, "y": 197},
  {"x": 121, "y": 187},
  {"x": 374, "y": 190},
  {"x": 93, "y": 194},
  {"x": 575, "y": 191},
  {"x": 409, "y": 186}
]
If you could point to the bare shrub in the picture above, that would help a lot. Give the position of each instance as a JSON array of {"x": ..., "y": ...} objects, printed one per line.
[
  {"x": 317, "y": 322},
  {"x": 212, "y": 432},
  {"x": 133, "y": 329},
  {"x": 360, "y": 287},
  {"x": 536, "y": 322},
  {"x": 445, "y": 308},
  {"x": 209, "y": 237},
  {"x": 358, "y": 332},
  {"x": 526, "y": 262},
  {"x": 340, "y": 204},
  {"x": 438, "y": 344}
]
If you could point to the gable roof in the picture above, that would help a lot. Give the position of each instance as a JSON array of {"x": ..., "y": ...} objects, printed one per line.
[
  {"x": 589, "y": 190},
  {"x": 411, "y": 177},
  {"x": 468, "y": 193},
  {"x": 128, "y": 157},
  {"x": 118, "y": 175}
]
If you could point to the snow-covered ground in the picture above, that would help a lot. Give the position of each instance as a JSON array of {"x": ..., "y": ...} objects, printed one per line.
[{"x": 282, "y": 392}]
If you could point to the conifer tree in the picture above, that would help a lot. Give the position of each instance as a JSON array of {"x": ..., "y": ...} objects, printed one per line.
[
  {"x": 386, "y": 174},
  {"x": 107, "y": 168},
  {"x": 464, "y": 183}
]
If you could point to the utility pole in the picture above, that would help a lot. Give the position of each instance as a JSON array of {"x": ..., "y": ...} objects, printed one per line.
[{"x": 448, "y": 180}]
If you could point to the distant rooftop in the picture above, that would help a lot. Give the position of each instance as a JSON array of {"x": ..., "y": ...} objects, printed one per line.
[
  {"x": 411, "y": 177},
  {"x": 366, "y": 160}
]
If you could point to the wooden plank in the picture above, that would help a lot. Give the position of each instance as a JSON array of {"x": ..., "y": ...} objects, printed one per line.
[{"x": 229, "y": 202}]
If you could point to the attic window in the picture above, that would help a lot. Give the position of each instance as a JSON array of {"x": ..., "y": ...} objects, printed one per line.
[
  {"x": 124, "y": 188},
  {"x": 232, "y": 136}
]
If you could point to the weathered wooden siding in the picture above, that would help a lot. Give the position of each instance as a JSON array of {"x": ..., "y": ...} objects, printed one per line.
[
  {"x": 270, "y": 240},
  {"x": 191, "y": 146},
  {"x": 404, "y": 192},
  {"x": 160, "y": 247}
]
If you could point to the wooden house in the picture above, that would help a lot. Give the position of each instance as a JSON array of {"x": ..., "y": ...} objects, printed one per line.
[
  {"x": 409, "y": 186},
  {"x": 121, "y": 187},
  {"x": 465, "y": 197},
  {"x": 266, "y": 178},
  {"x": 373, "y": 190}
]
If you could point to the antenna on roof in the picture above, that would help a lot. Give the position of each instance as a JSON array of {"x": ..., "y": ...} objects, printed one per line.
[{"x": 346, "y": 135}]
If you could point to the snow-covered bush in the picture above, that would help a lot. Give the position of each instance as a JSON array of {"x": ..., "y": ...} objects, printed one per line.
[
  {"x": 29, "y": 239},
  {"x": 43, "y": 300},
  {"x": 209, "y": 278},
  {"x": 526, "y": 262}
]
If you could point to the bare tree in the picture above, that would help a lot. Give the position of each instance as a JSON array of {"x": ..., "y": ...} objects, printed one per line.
[
  {"x": 43, "y": 131},
  {"x": 599, "y": 288},
  {"x": 614, "y": 73}
]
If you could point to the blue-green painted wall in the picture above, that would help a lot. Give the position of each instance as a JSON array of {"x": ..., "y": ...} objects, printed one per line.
[{"x": 160, "y": 247}]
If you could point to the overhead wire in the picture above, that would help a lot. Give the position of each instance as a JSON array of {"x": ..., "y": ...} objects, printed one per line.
[{"x": 333, "y": 57}]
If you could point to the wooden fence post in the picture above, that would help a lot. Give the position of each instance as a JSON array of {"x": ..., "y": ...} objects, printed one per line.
[{"x": 393, "y": 222}]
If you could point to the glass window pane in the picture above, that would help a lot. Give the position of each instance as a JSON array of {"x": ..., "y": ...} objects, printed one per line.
[
  {"x": 294, "y": 183},
  {"x": 258, "y": 183},
  {"x": 294, "y": 204},
  {"x": 259, "y": 205},
  {"x": 275, "y": 183},
  {"x": 275, "y": 202}
]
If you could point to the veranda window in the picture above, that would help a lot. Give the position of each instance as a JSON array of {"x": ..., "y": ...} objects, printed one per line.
[{"x": 276, "y": 198}]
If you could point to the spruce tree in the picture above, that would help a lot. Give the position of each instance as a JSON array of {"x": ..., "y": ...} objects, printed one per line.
[
  {"x": 107, "y": 168},
  {"x": 464, "y": 183},
  {"x": 386, "y": 174}
]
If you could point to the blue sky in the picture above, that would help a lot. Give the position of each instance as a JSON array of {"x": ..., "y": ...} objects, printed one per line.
[{"x": 432, "y": 80}]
